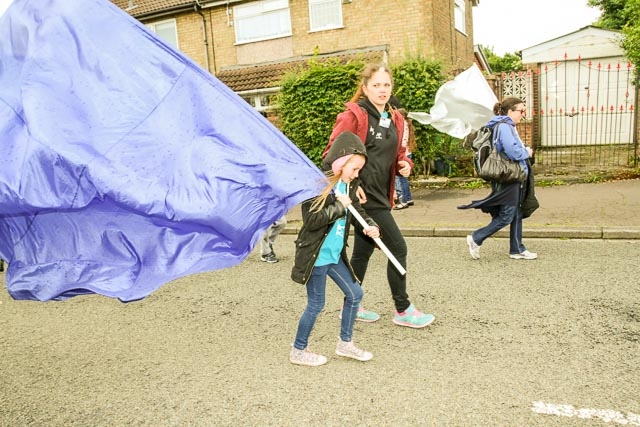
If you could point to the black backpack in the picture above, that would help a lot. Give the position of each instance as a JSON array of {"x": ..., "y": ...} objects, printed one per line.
[{"x": 481, "y": 142}]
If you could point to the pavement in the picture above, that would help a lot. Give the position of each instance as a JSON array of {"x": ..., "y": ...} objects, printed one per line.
[{"x": 605, "y": 210}]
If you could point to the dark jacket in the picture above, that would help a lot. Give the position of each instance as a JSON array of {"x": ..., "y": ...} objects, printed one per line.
[
  {"x": 316, "y": 225},
  {"x": 355, "y": 119},
  {"x": 507, "y": 194},
  {"x": 529, "y": 200}
]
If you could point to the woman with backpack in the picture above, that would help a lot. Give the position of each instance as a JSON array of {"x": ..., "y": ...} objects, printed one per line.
[{"x": 505, "y": 201}]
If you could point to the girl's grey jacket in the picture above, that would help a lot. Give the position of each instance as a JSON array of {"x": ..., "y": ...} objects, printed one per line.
[{"x": 316, "y": 225}]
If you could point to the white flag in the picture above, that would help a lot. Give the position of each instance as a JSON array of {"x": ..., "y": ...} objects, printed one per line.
[{"x": 462, "y": 105}]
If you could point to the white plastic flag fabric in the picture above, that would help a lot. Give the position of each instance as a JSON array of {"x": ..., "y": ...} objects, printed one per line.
[{"x": 462, "y": 105}]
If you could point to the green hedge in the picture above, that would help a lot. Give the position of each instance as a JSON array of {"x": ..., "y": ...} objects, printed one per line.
[{"x": 311, "y": 98}]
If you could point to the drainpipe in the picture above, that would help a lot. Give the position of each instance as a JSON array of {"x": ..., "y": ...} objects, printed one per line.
[
  {"x": 198, "y": 9},
  {"x": 635, "y": 120}
]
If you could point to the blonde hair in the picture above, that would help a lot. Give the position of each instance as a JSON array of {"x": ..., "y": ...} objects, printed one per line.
[
  {"x": 331, "y": 180},
  {"x": 368, "y": 71}
]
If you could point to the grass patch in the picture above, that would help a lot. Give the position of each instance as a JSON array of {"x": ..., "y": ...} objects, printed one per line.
[
  {"x": 472, "y": 185},
  {"x": 549, "y": 182}
]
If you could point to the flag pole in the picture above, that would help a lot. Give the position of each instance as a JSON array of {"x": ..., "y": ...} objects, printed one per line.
[{"x": 378, "y": 241}]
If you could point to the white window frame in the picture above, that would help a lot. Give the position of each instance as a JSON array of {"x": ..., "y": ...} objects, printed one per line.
[
  {"x": 260, "y": 98},
  {"x": 332, "y": 8},
  {"x": 173, "y": 38},
  {"x": 460, "y": 15},
  {"x": 262, "y": 20}
]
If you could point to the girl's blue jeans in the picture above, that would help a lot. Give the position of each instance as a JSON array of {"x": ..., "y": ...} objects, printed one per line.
[{"x": 316, "y": 287}]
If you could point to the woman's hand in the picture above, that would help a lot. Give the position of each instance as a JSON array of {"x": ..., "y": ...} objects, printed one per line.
[
  {"x": 404, "y": 168},
  {"x": 530, "y": 151},
  {"x": 362, "y": 198},
  {"x": 373, "y": 232}
]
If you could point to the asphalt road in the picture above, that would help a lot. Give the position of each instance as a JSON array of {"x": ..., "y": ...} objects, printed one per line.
[{"x": 550, "y": 342}]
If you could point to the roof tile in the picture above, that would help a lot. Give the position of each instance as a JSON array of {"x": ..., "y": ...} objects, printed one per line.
[
  {"x": 261, "y": 76},
  {"x": 138, "y": 8}
]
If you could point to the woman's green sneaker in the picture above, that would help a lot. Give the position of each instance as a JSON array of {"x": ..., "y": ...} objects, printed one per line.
[
  {"x": 364, "y": 315},
  {"x": 413, "y": 318}
]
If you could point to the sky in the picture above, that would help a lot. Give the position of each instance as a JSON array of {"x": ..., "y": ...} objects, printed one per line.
[
  {"x": 508, "y": 26},
  {"x": 4, "y": 4}
]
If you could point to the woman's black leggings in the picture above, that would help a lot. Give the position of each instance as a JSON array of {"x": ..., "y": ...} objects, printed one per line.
[{"x": 391, "y": 236}]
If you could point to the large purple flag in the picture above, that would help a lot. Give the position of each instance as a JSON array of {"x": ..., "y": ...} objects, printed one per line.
[{"x": 123, "y": 165}]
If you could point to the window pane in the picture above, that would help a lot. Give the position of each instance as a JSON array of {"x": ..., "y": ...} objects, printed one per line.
[
  {"x": 269, "y": 5},
  {"x": 459, "y": 15},
  {"x": 262, "y": 20},
  {"x": 250, "y": 100},
  {"x": 166, "y": 30},
  {"x": 324, "y": 14}
]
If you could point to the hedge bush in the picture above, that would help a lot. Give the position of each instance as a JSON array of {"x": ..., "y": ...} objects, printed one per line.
[{"x": 311, "y": 98}]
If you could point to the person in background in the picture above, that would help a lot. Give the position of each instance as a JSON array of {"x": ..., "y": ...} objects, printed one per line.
[
  {"x": 267, "y": 253},
  {"x": 321, "y": 250},
  {"x": 504, "y": 203},
  {"x": 381, "y": 128},
  {"x": 405, "y": 198}
]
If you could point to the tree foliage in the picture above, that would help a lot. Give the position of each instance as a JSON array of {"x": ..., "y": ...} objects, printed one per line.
[
  {"x": 499, "y": 64},
  {"x": 631, "y": 31},
  {"x": 311, "y": 98},
  {"x": 613, "y": 13},
  {"x": 623, "y": 15},
  {"x": 416, "y": 82}
]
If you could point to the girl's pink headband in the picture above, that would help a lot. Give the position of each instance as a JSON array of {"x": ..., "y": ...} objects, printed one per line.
[{"x": 339, "y": 163}]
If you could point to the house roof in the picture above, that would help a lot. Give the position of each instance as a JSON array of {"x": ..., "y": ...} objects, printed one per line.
[
  {"x": 248, "y": 77},
  {"x": 142, "y": 8},
  {"x": 268, "y": 75},
  {"x": 586, "y": 43},
  {"x": 481, "y": 59}
]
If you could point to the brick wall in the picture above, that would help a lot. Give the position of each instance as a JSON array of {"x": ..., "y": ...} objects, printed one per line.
[
  {"x": 404, "y": 27},
  {"x": 191, "y": 37}
]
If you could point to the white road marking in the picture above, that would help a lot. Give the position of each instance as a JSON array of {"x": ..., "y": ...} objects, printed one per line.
[{"x": 606, "y": 415}]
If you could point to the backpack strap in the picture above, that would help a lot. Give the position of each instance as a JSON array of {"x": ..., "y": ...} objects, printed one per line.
[{"x": 494, "y": 133}]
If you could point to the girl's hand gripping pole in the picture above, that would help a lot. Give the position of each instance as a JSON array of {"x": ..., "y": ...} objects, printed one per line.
[{"x": 378, "y": 241}]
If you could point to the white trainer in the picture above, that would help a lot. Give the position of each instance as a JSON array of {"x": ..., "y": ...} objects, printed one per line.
[
  {"x": 348, "y": 349},
  {"x": 524, "y": 255},
  {"x": 306, "y": 357},
  {"x": 474, "y": 249}
]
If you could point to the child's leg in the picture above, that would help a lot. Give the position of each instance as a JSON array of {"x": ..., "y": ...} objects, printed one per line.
[
  {"x": 315, "y": 303},
  {"x": 265, "y": 247},
  {"x": 353, "y": 295}
]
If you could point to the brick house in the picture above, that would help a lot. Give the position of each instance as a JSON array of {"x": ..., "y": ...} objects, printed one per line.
[{"x": 249, "y": 44}]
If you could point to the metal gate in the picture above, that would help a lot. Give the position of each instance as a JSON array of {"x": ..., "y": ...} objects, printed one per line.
[{"x": 578, "y": 114}]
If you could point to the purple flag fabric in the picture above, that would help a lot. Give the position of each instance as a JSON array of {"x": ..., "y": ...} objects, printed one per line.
[{"x": 124, "y": 165}]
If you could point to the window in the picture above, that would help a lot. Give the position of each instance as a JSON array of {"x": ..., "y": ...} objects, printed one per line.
[
  {"x": 166, "y": 30},
  {"x": 263, "y": 100},
  {"x": 460, "y": 15},
  {"x": 325, "y": 14},
  {"x": 262, "y": 20}
]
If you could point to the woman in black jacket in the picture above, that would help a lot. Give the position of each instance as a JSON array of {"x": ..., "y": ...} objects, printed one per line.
[{"x": 321, "y": 250}]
